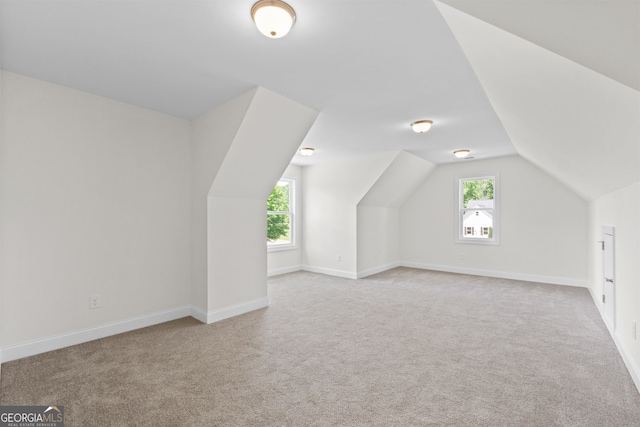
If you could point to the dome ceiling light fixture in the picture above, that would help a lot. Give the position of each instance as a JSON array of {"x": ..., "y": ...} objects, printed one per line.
[
  {"x": 307, "y": 151},
  {"x": 461, "y": 154},
  {"x": 421, "y": 126},
  {"x": 274, "y": 18}
]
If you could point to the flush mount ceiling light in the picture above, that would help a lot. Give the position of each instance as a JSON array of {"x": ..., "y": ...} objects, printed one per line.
[
  {"x": 461, "y": 154},
  {"x": 307, "y": 151},
  {"x": 274, "y": 18},
  {"x": 421, "y": 126}
]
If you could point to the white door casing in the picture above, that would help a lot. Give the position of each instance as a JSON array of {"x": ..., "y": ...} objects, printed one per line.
[{"x": 608, "y": 280}]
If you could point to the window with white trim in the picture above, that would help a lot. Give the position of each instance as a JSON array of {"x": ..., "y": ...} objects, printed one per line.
[
  {"x": 477, "y": 211},
  {"x": 280, "y": 216}
]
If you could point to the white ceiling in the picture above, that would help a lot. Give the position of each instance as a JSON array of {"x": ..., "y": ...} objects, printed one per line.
[{"x": 370, "y": 67}]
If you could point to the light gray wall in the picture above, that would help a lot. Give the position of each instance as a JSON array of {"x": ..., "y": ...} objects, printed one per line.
[
  {"x": 96, "y": 200},
  {"x": 1, "y": 227},
  {"x": 543, "y": 225},
  {"x": 330, "y": 194},
  {"x": 378, "y": 212},
  {"x": 620, "y": 209},
  {"x": 378, "y": 230}
]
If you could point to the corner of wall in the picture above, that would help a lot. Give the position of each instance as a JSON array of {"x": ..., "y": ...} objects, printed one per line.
[
  {"x": 260, "y": 140},
  {"x": 2, "y": 322}
]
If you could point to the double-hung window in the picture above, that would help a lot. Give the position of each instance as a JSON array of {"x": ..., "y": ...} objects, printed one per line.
[
  {"x": 280, "y": 216},
  {"x": 477, "y": 210}
]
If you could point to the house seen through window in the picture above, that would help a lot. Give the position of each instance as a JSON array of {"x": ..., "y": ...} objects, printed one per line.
[
  {"x": 477, "y": 210},
  {"x": 280, "y": 211}
]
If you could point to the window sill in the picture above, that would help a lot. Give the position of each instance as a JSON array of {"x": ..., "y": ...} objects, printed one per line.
[
  {"x": 478, "y": 242},
  {"x": 279, "y": 248}
]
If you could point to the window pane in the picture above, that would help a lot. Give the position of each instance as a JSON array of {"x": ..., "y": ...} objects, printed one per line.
[
  {"x": 477, "y": 223},
  {"x": 278, "y": 200},
  {"x": 278, "y": 229},
  {"x": 478, "y": 193}
]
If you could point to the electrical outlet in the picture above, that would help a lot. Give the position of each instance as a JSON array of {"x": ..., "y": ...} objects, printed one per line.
[
  {"x": 339, "y": 258},
  {"x": 634, "y": 330},
  {"x": 94, "y": 301},
  {"x": 461, "y": 256}
]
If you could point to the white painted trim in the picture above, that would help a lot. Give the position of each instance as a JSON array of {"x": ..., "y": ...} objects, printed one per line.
[
  {"x": 376, "y": 270},
  {"x": 459, "y": 238},
  {"x": 565, "y": 281},
  {"x": 55, "y": 342},
  {"x": 282, "y": 247},
  {"x": 198, "y": 314},
  {"x": 283, "y": 270},
  {"x": 330, "y": 272},
  {"x": 627, "y": 358},
  {"x": 236, "y": 310},
  {"x": 631, "y": 364}
]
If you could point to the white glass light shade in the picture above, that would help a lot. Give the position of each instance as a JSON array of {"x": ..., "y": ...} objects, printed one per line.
[
  {"x": 274, "y": 18},
  {"x": 307, "y": 151},
  {"x": 421, "y": 126},
  {"x": 461, "y": 154}
]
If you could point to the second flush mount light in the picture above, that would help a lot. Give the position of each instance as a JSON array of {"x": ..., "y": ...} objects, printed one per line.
[{"x": 421, "y": 126}]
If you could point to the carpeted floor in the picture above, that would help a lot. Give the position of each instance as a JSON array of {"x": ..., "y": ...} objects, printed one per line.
[{"x": 406, "y": 347}]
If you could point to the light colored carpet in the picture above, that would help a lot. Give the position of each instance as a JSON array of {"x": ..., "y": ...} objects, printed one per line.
[{"x": 406, "y": 347}]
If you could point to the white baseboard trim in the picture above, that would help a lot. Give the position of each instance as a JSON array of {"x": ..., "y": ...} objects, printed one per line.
[
  {"x": 376, "y": 270},
  {"x": 232, "y": 310},
  {"x": 198, "y": 314},
  {"x": 582, "y": 283},
  {"x": 284, "y": 270},
  {"x": 631, "y": 364},
  {"x": 55, "y": 342},
  {"x": 42, "y": 345},
  {"x": 330, "y": 272}
]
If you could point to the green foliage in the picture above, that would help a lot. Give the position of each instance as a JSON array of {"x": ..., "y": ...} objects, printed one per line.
[
  {"x": 481, "y": 189},
  {"x": 278, "y": 224}
]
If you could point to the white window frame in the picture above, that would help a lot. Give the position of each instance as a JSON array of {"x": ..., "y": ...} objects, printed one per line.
[
  {"x": 274, "y": 247},
  {"x": 459, "y": 211}
]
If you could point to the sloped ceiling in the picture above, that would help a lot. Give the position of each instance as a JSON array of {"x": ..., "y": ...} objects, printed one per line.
[
  {"x": 567, "y": 115},
  {"x": 271, "y": 127},
  {"x": 602, "y": 35},
  {"x": 399, "y": 181}
]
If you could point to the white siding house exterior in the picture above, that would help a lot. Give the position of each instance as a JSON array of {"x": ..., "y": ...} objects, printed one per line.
[{"x": 477, "y": 221}]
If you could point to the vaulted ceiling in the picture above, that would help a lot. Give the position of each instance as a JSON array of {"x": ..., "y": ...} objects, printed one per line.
[
  {"x": 555, "y": 81},
  {"x": 564, "y": 78}
]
